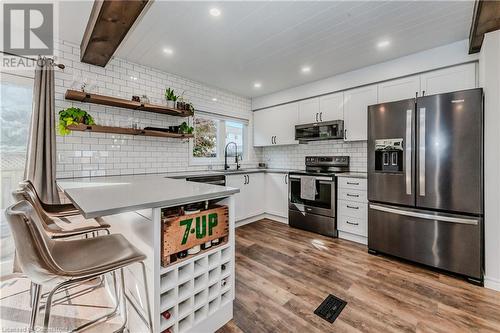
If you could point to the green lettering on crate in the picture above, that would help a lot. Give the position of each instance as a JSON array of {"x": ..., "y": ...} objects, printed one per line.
[
  {"x": 212, "y": 222},
  {"x": 201, "y": 226},
  {"x": 187, "y": 223}
]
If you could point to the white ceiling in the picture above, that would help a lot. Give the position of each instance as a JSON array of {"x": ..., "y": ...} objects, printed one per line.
[{"x": 269, "y": 42}]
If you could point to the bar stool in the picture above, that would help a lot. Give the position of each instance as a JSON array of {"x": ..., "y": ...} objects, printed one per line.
[
  {"x": 61, "y": 263},
  {"x": 55, "y": 216}
]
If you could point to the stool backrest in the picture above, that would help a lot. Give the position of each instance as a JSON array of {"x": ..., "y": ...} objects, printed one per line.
[
  {"x": 28, "y": 192},
  {"x": 33, "y": 245}
]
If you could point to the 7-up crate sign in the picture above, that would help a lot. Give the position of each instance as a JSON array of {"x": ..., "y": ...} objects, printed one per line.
[
  {"x": 183, "y": 232},
  {"x": 202, "y": 228}
]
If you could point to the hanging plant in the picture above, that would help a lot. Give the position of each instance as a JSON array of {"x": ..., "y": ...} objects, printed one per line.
[{"x": 73, "y": 116}]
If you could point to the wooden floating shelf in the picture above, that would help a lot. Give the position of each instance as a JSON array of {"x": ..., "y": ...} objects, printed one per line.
[
  {"x": 128, "y": 131},
  {"x": 82, "y": 96}
]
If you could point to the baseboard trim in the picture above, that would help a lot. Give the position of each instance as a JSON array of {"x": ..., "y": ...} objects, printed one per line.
[
  {"x": 492, "y": 283},
  {"x": 260, "y": 217},
  {"x": 353, "y": 237}
]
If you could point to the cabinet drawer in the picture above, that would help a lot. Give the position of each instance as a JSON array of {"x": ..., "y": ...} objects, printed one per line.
[
  {"x": 353, "y": 209},
  {"x": 353, "y": 225},
  {"x": 352, "y": 183},
  {"x": 352, "y": 195}
]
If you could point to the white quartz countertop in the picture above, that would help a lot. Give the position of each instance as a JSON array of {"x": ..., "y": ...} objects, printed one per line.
[{"x": 101, "y": 196}]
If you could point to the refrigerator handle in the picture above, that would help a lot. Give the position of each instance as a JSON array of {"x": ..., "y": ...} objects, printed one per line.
[
  {"x": 408, "y": 152},
  {"x": 427, "y": 216},
  {"x": 421, "y": 153}
]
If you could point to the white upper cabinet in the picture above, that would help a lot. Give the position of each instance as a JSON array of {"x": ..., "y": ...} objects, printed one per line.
[
  {"x": 309, "y": 111},
  {"x": 276, "y": 125},
  {"x": 331, "y": 107},
  {"x": 262, "y": 128},
  {"x": 396, "y": 90},
  {"x": 356, "y": 102},
  {"x": 449, "y": 79}
]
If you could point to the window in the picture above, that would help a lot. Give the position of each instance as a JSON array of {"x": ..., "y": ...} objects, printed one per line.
[
  {"x": 234, "y": 133},
  {"x": 16, "y": 94},
  {"x": 212, "y": 133},
  {"x": 205, "y": 137}
]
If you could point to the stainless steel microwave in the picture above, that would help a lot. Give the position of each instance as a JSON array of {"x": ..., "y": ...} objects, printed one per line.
[{"x": 328, "y": 130}]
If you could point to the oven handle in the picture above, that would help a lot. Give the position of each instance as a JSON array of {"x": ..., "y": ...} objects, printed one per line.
[{"x": 329, "y": 180}]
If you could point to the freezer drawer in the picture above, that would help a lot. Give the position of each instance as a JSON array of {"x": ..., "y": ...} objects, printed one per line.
[
  {"x": 316, "y": 223},
  {"x": 449, "y": 242}
]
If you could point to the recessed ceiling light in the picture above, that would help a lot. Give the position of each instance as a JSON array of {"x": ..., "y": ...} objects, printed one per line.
[
  {"x": 215, "y": 12},
  {"x": 214, "y": 99},
  {"x": 257, "y": 85},
  {"x": 306, "y": 69},
  {"x": 383, "y": 44},
  {"x": 133, "y": 78},
  {"x": 168, "y": 51}
]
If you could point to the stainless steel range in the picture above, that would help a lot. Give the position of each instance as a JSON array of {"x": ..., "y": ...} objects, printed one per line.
[{"x": 312, "y": 194}]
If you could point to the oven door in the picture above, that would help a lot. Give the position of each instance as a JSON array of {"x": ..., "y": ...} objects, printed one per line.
[{"x": 324, "y": 202}]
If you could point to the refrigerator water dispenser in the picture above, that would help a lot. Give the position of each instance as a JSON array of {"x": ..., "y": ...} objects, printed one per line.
[{"x": 389, "y": 155}]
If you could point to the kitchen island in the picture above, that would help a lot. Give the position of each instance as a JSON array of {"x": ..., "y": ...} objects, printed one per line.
[{"x": 197, "y": 292}]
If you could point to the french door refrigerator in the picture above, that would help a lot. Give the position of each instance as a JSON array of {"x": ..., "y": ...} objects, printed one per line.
[{"x": 425, "y": 181}]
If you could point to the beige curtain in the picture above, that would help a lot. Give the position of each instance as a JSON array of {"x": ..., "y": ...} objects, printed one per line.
[{"x": 41, "y": 155}]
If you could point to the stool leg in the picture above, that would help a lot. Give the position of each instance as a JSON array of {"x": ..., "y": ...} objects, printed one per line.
[
  {"x": 124, "y": 298},
  {"x": 35, "y": 299},
  {"x": 48, "y": 305},
  {"x": 147, "y": 296}
]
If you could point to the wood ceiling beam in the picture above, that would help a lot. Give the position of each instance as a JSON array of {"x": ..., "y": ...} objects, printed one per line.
[
  {"x": 109, "y": 23},
  {"x": 486, "y": 18}
]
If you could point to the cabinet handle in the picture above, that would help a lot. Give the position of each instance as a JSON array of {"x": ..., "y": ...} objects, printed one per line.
[
  {"x": 350, "y": 183},
  {"x": 352, "y": 195},
  {"x": 423, "y": 92},
  {"x": 248, "y": 177},
  {"x": 321, "y": 116},
  {"x": 352, "y": 207},
  {"x": 351, "y": 223},
  {"x": 245, "y": 176},
  {"x": 286, "y": 179},
  {"x": 316, "y": 117},
  {"x": 345, "y": 134}
]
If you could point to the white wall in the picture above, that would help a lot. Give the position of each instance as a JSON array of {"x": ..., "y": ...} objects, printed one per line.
[
  {"x": 489, "y": 78},
  {"x": 442, "y": 56},
  {"x": 96, "y": 154}
]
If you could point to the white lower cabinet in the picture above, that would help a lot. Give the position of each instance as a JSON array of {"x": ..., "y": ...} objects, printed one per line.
[
  {"x": 277, "y": 194},
  {"x": 250, "y": 201},
  {"x": 352, "y": 204},
  {"x": 260, "y": 193}
]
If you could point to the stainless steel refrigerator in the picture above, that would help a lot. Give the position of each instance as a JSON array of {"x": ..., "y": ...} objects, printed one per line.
[{"x": 425, "y": 181}]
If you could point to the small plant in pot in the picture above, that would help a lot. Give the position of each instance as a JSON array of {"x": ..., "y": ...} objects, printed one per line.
[
  {"x": 184, "y": 128},
  {"x": 170, "y": 97},
  {"x": 73, "y": 116}
]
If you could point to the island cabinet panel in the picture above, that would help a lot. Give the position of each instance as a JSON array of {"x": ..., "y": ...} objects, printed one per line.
[{"x": 180, "y": 233}]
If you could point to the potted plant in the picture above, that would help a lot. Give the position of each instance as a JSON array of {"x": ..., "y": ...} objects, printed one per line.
[
  {"x": 73, "y": 116},
  {"x": 184, "y": 128},
  {"x": 171, "y": 98}
]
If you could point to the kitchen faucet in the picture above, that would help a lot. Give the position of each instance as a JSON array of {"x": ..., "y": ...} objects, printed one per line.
[{"x": 226, "y": 166}]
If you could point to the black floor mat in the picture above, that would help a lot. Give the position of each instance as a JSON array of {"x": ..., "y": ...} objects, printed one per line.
[{"x": 330, "y": 308}]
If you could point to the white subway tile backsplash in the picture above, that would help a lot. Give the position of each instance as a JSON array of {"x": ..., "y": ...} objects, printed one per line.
[
  {"x": 83, "y": 154},
  {"x": 292, "y": 157}
]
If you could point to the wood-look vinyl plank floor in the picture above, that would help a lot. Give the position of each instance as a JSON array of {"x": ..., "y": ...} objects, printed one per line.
[{"x": 283, "y": 274}]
